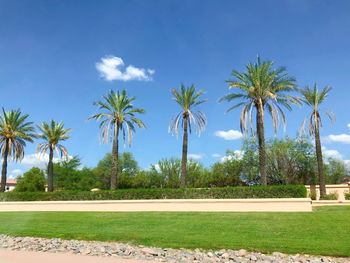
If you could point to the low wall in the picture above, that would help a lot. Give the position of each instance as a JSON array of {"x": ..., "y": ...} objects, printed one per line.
[
  {"x": 339, "y": 189},
  {"x": 330, "y": 202},
  {"x": 167, "y": 205}
]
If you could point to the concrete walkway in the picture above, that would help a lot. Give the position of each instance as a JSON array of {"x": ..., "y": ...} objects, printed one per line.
[
  {"x": 166, "y": 205},
  {"x": 9, "y": 256}
]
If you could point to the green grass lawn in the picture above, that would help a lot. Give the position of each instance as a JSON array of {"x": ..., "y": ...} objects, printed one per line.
[{"x": 326, "y": 231}]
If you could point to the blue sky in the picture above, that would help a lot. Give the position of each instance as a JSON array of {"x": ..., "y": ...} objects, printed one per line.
[{"x": 49, "y": 51}]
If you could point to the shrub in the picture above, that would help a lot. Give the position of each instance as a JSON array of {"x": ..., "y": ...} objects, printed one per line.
[
  {"x": 331, "y": 196},
  {"x": 313, "y": 195},
  {"x": 347, "y": 196},
  {"x": 276, "y": 191},
  {"x": 31, "y": 181}
]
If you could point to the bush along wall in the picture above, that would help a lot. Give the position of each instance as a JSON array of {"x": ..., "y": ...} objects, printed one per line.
[
  {"x": 244, "y": 192},
  {"x": 347, "y": 196}
]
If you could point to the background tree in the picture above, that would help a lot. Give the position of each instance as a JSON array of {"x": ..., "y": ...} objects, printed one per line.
[
  {"x": 187, "y": 98},
  {"x": 15, "y": 131},
  {"x": 313, "y": 97},
  {"x": 31, "y": 181},
  {"x": 69, "y": 175},
  {"x": 117, "y": 114},
  {"x": 227, "y": 172},
  {"x": 52, "y": 133},
  {"x": 290, "y": 161},
  {"x": 261, "y": 88},
  {"x": 336, "y": 171}
]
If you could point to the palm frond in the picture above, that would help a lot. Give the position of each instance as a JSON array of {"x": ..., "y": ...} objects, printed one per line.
[
  {"x": 188, "y": 98},
  {"x": 116, "y": 111}
]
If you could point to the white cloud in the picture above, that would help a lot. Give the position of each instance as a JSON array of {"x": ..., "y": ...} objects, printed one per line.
[
  {"x": 348, "y": 126},
  {"x": 39, "y": 160},
  {"x": 15, "y": 173},
  {"x": 347, "y": 164},
  {"x": 229, "y": 135},
  {"x": 329, "y": 153},
  {"x": 112, "y": 68},
  {"x": 216, "y": 155},
  {"x": 195, "y": 156},
  {"x": 157, "y": 167},
  {"x": 237, "y": 154},
  {"x": 342, "y": 138}
]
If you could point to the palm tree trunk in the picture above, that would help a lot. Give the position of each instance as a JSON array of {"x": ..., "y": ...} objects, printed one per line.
[
  {"x": 50, "y": 171},
  {"x": 4, "y": 168},
  {"x": 319, "y": 157},
  {"x": 115, "y": 155},
  {"x": 261, "y": 141},
  {"x": 184, "y": 154}
]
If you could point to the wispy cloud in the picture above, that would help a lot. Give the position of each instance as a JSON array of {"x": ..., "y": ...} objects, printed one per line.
[
  {"x": 237, "y": 155},
  {"x": 195, "y": 156},
  {"x": 330, "y": 153},
  {"x": 216, "y": 155},
  {"x": 229, "y": 135},
  {"x": 15, "y": 173},
  {"x": 341, "y": 138},
  {"x": 39, "y": 160},
  {"x": 347, "y": 164},
  {"x": 113, "y": 68}
]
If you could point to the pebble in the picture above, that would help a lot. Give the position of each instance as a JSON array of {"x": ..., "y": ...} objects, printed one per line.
[{"x": 122, "y": 250}]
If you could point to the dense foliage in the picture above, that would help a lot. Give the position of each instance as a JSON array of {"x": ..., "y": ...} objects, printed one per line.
[
  {"x": 290, "y": 161},
  {"x": 31, "y": 181},
  {"x": 274, "y": 191}
]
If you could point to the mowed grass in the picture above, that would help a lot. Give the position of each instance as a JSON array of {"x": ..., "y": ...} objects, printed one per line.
[{"x": 326, "y": 231}]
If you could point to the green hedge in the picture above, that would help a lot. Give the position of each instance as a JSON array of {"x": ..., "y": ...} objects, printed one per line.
[
  {"x": 276, "y": 191},
  {"x": 331, "y": 196},
  {"x": 347, "y": 196}
]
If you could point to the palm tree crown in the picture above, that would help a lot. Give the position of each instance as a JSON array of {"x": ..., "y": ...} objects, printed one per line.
[
  {"x": 117, "y": 110},
  {"x": 15, "y": 131},
  {"x": 187, "y": 99},
  {"x": 262, "y": 87},
  {"x": 313, "y": 97},
  {"x": 53, "y": 133}
]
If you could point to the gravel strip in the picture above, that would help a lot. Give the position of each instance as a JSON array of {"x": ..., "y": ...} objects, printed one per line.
[{"x": 128, "y": 251}]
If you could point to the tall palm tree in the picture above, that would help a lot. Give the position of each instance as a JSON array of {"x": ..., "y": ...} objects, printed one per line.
[
  {"x": 117, "y": 115},
  {"x": 260, "y": 88},
  {"x": 187, "y": 98},
  {"x": 52, "y": 133},
  {"x": 313, "y": 97},
  {"x": 15, "y": 131}
]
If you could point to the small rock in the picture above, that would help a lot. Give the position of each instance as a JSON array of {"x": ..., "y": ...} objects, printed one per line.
[
  {"x": 149, "y": 251},
  {"x": 242, "y": 253},
  {"x": 253, "y": 258},
  {"x": 210, "y": 254}
]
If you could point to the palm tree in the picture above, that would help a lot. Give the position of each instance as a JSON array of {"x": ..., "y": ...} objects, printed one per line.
[
  {"x": 52, "y": 133},
  {"x": 313, "y": 97},
  {"x": 187, "y": 99},
  {"x": 260, "y": 88},
  {"x": 117, "y": 115},
  {"x": 15, "y": 131}
]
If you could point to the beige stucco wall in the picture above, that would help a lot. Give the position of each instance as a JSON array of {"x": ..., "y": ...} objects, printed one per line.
[
  {"x": 170, "y": 205},
  {"x": 339, "y": 189}
]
